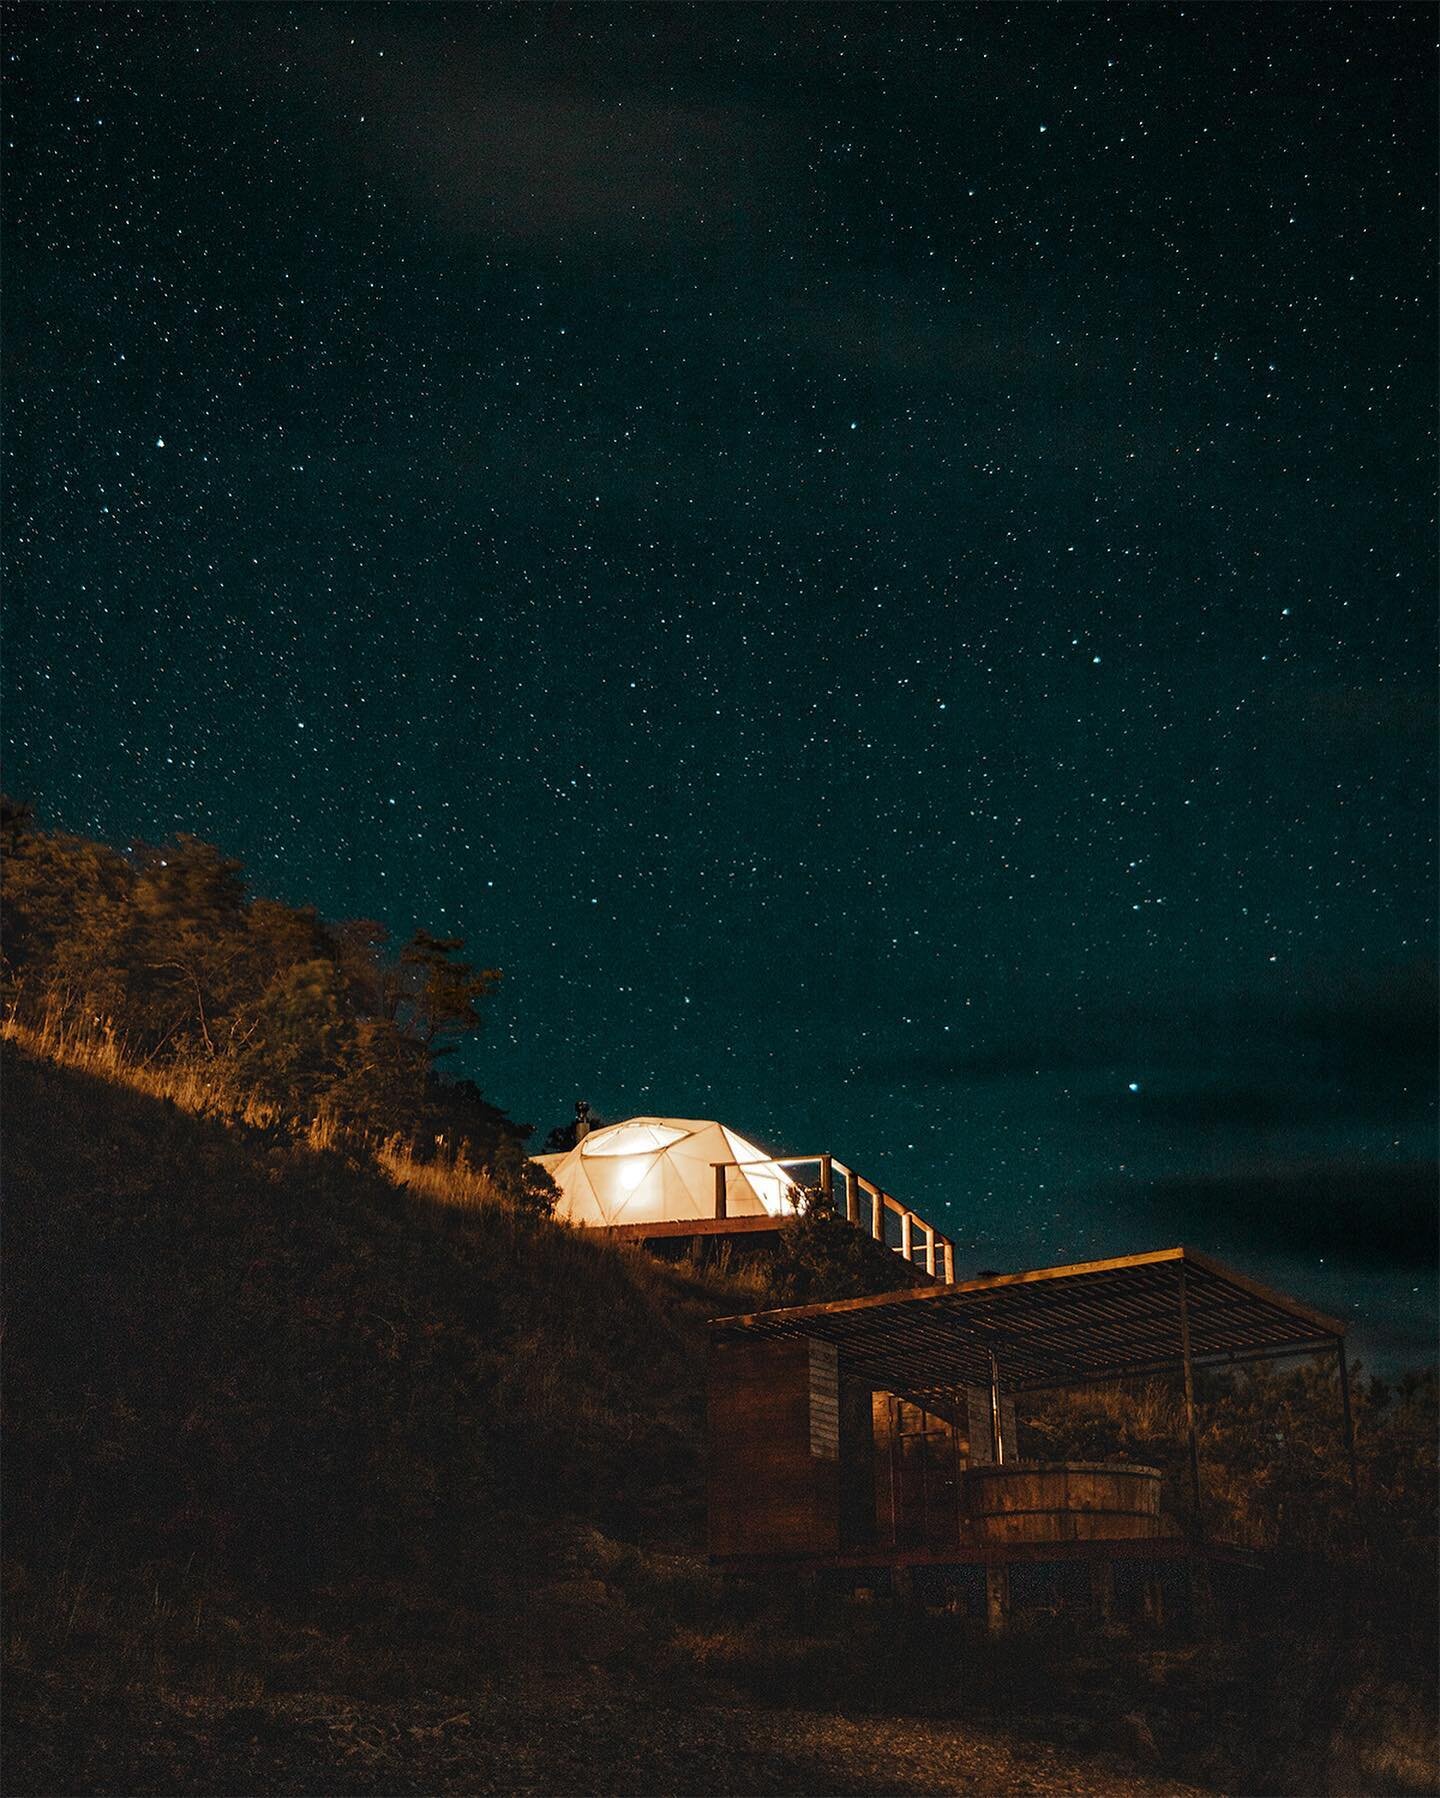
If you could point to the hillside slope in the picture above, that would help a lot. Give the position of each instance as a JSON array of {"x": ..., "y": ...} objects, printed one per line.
[{"x": 271, "y": 1361}]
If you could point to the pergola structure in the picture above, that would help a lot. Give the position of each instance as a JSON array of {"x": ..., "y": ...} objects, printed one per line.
[{"x": 942, "y": 1348}]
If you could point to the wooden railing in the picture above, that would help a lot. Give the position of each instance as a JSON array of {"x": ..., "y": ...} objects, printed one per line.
[{"x": 865, "y": 1206}]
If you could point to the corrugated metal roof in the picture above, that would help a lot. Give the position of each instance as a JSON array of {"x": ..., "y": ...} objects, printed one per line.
[{"x": 1054, "y": 1326}]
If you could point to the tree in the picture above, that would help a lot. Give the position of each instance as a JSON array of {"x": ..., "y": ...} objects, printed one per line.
[
  {"x": 438, "y": 1003},
  {"x": 65, "y": 951},
  {"x": 524, "y": 1184},
  {"x": 190, "y": 943},
  {"x": 166, "y": 947},
  {"x": 302, "y": 1039},
  {"x": 821, "y": 1256}
]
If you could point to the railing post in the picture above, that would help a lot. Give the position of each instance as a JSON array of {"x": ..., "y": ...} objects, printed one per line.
[
  {"x": 852, "y": 1195},
  {"x": 929, "y": 1230},
  {"x": 720, "y": 1189},
  {"x": 827, "y": 1180},
  {"x": 907, "y": 1235},
  {"x": 877, "y": 1217},
  {"x": 949, "y": 1262}
]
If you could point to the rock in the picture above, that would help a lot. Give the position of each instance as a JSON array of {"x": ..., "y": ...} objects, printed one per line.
[{"x": 1136, "y": 1738}]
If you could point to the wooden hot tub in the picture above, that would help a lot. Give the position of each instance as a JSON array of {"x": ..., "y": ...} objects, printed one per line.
[{"x": 1065, "y": 1501}]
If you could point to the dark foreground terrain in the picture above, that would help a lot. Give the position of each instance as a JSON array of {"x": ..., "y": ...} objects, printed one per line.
[
  {"x": 545, "y": 1742},
  {"x": 313, "y": 1488}
]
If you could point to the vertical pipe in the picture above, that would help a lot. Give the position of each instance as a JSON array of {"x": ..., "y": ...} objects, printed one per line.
[
  {"x": 1198, "y": 1527},
  {"x": 852, "y": 1195},
  {"x": 955, "y": 1402},
  {"x": 997, "y": 1423},
  {"x": 719, "y": 1167}
]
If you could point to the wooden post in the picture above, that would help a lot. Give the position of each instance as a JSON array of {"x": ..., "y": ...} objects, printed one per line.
[
  {"x": 907, "y": 1235},
  {"x": 877, "y": 1220},
  {"x": 997, "y": 1596},
  {"x": 929, "y": 1230},
  {"x": 852, "y": 1195},
  {"x": 720, "y": 1194},
  {"x": 949, "y": 1248},
  {"x": 1202, "y": 1592},
  {"x": 1102, "y": 1590},
  {"x": 827, "y": 1180},
  {"x": 1197, "y": 1527}
]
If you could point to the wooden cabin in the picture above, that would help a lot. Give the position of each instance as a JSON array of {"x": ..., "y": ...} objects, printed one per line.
[{"x": 879, "y": 1436}]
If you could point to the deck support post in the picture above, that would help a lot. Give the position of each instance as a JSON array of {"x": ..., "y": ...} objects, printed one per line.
[
  {"x": 720, "y": 1190},
  {"x": 1202, "y": 1591},
  {"x": 1197, "y": 1524},
  {"x": 997, "y": 1596},
  {"x": 1102, "y": 1590}
]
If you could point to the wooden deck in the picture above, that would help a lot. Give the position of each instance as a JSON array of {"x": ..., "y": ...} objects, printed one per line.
[
  {"x": 866, "y": 1204},
  {"x": 929, "y": 1257}
]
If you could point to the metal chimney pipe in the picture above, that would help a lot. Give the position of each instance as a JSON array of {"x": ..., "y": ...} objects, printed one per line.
[{"x": 582, "y": 1120}]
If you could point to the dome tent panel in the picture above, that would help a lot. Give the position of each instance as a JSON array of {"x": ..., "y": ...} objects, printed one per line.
[{"x": 657, "y": 1169}]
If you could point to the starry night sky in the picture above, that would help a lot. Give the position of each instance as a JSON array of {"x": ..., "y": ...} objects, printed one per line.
[{"x": 879, "y": 561}]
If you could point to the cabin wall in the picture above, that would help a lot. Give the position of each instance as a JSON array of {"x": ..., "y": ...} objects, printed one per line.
[
  {"x": 857, "y": 1463},
  {"x": 918, "y": 1461},
  {"x": 776, "y": 1422}
]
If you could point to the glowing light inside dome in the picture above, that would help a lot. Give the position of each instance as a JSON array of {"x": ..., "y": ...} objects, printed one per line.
[{"x": 630, "y": 1138}]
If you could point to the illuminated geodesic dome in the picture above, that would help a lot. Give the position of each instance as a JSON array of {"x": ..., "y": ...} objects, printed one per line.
[{"x": 652, "y": 1170}]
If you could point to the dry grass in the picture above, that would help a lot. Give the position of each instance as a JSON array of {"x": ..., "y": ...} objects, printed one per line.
[
  {"x": 203, "y": 1090},
  {"x": 451, "y": 1183},
  {"x": 208, "y": 1089}
]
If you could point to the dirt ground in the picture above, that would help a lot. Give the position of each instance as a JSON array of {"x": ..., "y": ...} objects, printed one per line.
[{"x": 549, "y": 1743}]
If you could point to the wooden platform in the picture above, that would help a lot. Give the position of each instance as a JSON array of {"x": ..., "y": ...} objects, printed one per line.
[
  {"x": 756, "y": 1232},
  {"x": 983, "y": 1554},
  {"x": 663, "y": 1229}
]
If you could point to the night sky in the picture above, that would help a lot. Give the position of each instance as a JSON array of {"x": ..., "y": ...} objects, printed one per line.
[{"x": 878, "y": 560}]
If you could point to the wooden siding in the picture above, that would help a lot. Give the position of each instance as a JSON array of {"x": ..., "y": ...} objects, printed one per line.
[{"x": 769, "y": 1491}]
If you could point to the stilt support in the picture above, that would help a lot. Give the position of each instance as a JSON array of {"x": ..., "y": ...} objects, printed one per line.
[
  {"x": 1102, "y": 1590},
  {"x": 997, "y": 1597}
]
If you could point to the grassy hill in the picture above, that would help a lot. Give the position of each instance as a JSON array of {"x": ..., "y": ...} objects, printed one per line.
[
  {"x": 315, "y": 1484},
  {"x": 277, "y": 1363}
]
